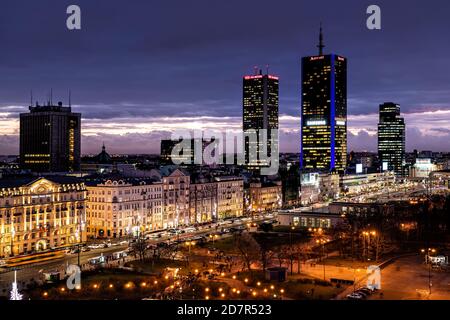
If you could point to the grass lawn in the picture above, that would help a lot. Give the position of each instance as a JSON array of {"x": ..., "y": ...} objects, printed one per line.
[
  {"x": 298, "y": 287},
  {"x": 104, "y": 285}
]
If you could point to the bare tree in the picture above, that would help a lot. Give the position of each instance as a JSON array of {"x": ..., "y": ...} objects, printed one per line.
[
  {"x": 248, "y": 248},
  {"x": 140, "y": 247}
]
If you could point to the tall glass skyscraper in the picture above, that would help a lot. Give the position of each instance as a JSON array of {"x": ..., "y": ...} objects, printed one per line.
[
  {"x": 260, "y": 111},
  {"x": 324, "y": 112},
  {"x": 391, "y": 138}
]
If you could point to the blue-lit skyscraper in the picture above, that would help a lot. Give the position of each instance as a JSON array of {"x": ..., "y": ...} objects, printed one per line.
[{"x": 324, "y": 112}]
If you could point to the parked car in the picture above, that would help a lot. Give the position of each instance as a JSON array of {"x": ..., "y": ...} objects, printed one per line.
[
  {"x": 85, "y": 249},
  {"x": 355, "y": 296}
]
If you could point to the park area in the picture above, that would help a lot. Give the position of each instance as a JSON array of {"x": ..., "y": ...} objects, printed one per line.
[{"x": 231, "y": 266}]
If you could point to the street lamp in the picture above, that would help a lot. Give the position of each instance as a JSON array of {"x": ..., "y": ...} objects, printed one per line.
[
  {"x": 189, "y": 244},
  {"x": 427, "y": 255},
  {"x": 322, "y": 242}
]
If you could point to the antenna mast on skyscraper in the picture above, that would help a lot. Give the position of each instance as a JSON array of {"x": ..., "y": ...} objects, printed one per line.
[
  {"x": 70, "y": 98},
  {"x": 31, "y": 98},
  {"x": 321, "y": 45}
]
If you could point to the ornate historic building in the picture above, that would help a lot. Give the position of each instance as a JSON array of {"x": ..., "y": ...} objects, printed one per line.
[
  {"x": 123, "y": 207},
  {"x": 41, "y": 213}
]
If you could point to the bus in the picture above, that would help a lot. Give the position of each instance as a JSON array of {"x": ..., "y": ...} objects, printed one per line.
[
  {"x": 97, "y": 260},
  {"x": 119, "y": 255},
  {"x": 32, "y": 258}
]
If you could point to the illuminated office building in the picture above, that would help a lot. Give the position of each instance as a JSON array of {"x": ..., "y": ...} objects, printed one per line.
[
  {"x": 260, "y": 111},
  {"x": 50, "y": 139},
  {"x": 324, "y": 112},
  {"x": 391, "y": 138}
]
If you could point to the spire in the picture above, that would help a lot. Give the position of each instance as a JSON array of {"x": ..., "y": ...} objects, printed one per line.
[
  {"x": 103, "y": 147},
  {"x": 320, "y": 45}
]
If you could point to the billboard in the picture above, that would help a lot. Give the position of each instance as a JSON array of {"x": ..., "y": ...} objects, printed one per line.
[{"x": 359, "y": 168}]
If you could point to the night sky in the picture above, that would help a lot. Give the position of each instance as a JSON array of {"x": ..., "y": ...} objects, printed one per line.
[{"x": 139, "y": 69}]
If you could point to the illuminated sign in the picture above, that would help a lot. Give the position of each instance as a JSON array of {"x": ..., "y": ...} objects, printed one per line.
[
  {"x": 316, "y": 58},
  {"x": 385, "y": 166},
  {"x": 309, "y": 179},
  {"x": 359, "y": 168},
  {"x": 341, "y": 59},
  {"x": 340, "y": 122},
  {"x": 316, "y": 122},
  {"x": 252, "y": 77},
  {"x": 260, "y": 77}
]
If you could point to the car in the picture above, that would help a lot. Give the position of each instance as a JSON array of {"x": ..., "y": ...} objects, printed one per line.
[
  {"x": 355, "y": 296},
  {"x": 365, "y": 290},
  {"x": 75, "y": 250},
  {"x": 362, "y": 293},
  {"x": 85, "y": 249},
  {"x": 2, "y": 262}
]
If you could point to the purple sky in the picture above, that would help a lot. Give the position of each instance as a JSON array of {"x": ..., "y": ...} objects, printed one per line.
[{"x": 140, "y": 69}]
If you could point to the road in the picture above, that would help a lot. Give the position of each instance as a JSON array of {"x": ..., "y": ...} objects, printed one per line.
[
  {"x": 407, "y": 279},
  {"x": 34, "y": 271}
]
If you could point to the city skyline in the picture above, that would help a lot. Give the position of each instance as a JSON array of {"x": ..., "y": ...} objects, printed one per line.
[{"x": 134, "y": 104}]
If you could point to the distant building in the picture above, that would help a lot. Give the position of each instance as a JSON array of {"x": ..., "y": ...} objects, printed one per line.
[
  {"x": 265, "y": 196},
  {"x": 319, "y": 218},
  {"x": 324, "y": 112},
  {"x": 176, "y": 187},
  {"x": 37, "y": 214},
  {"x": 50, "y": 139},
  {"x": 203, "y": 200},
  {"x": 230, "y": 197},
  {"x": 260, "y": 112},
  {"x": 391, "y": 139},
  {"x": 316, "y": 187},
  {"x": 423, "y": 167},
  {"x": 356, "y": 184}
]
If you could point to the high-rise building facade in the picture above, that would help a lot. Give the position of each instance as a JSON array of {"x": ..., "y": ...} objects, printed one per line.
[
  {"x": 50, "y": 139},
  {"x": 324, "y": 112},
  {"x": 260, "y": 112},
  {"x": 391, "y": 139}
]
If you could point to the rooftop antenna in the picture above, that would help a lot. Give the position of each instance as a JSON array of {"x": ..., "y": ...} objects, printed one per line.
[
  {"x": 70, "y": 98},
  {"x": 320, "y": 45},
  {"x": 31, "y": 97},
  {"x": 267, "y": 68},
  {"x": 51, "y": 96},
  {"x": 256, "y": 70}
]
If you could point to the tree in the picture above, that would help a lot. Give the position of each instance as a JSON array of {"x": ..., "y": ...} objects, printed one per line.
[
  {"x": 140, "y": 247},
  {"x": 248, "y": 248}
]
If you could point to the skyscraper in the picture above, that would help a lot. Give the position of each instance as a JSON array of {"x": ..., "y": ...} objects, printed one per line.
[
  {"x": 324, "y": 112},
  {"x": 50, "y": 139},
  {"x": 260, "y": 111},
  {"x": 391, "y": 138}
]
